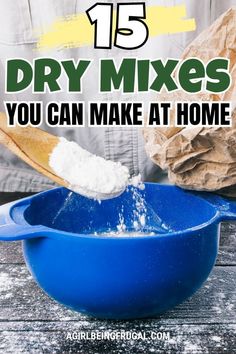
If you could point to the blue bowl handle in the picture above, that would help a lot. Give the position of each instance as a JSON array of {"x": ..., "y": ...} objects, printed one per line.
[
  {"x": 11, "y": 231},
  {"x": 226, "y": 208},
  {"x": 15, "y": 232}
]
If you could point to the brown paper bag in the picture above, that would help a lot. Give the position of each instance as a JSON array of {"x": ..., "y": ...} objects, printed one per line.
[{"x": 201, "y": 158}]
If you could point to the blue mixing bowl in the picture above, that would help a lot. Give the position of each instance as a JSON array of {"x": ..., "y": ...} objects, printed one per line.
[{"x": 123, "y": 277}]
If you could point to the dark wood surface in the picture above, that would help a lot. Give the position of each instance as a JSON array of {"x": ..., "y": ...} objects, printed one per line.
[{"x": 30, "y": 322}]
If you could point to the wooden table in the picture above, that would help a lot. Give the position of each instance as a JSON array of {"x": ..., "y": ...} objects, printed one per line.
[{"x": 30, "y": 322}]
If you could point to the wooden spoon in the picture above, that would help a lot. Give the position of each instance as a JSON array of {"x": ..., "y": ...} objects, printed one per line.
[{"x": 34, "y": 146}]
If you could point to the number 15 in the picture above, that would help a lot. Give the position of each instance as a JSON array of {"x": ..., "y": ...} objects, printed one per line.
[{"x": 131, "y": 31}]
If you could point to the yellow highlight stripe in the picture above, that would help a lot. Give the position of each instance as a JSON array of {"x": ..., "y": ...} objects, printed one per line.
[
  {"x": 76, "y": 31},
  {"x": 168, "y": 20}
]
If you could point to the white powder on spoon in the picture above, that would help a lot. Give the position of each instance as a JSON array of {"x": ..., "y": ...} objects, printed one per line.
[{"x": 88, "y": 174}]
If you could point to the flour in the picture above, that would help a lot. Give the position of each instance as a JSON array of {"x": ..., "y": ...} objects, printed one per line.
[
  {"x": 88, "y": 174},
  {"x": 125, "y": 234},
  {"x": 121, "y": 227}
]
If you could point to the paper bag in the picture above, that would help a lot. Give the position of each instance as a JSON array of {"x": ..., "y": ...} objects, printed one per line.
[{"x": 201, "y": 158}]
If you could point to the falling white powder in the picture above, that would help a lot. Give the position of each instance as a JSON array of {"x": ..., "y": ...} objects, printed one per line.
[
  {"x": 135, "y": 225},
  {"x": 140, "y": 210},
  {"x": 88, "y": 174},
  {"x": 121, "y": 227},
  {"x": 136, "y": 182},
  {"x": 142, "y": 220}
]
